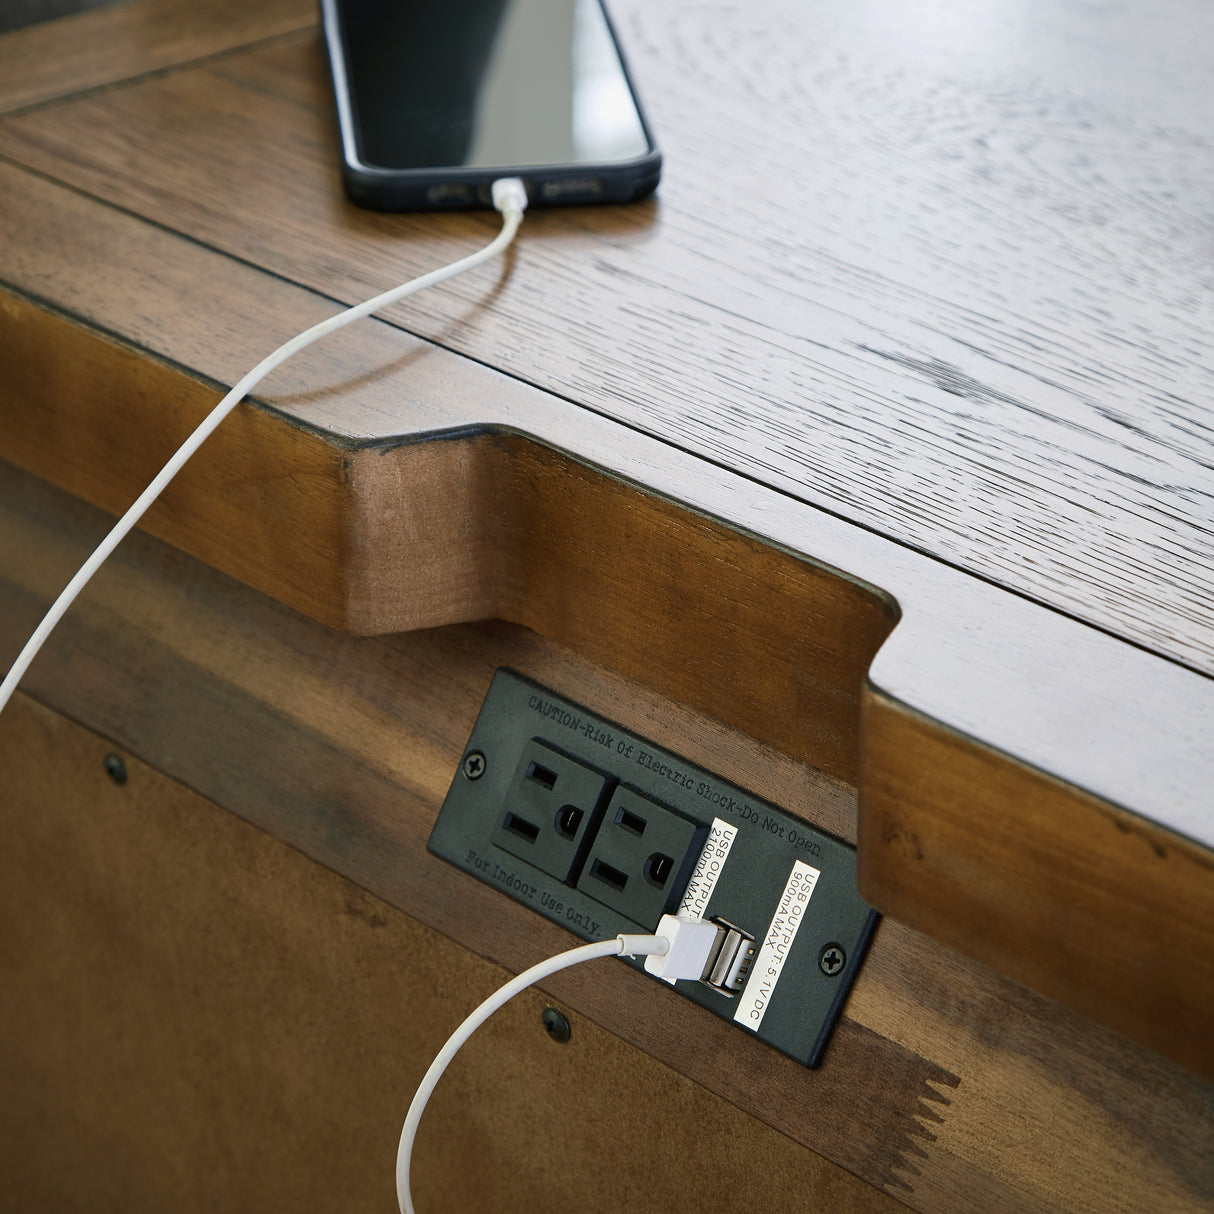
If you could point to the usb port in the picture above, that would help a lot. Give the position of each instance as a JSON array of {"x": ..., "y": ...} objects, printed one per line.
[{"x": 729, "y": 962}]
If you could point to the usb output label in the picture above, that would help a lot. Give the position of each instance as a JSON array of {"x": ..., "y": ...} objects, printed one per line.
[
  {"x": 708, "y": 869},
  {"x": 777, "y": 944}
]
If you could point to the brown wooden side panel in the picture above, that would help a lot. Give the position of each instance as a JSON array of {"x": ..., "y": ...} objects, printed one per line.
[
  {"x": 390, "y": 537},
  {"x": 263, "y": 501},
  {"x": 953, "y": 1088},
  {"x": 1068, "y": 894},
  {"x": 196, "y": 1017}
]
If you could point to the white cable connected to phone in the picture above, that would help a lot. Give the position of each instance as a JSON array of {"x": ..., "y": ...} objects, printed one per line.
[
  {"x": 509, "y": 196},
  {"x": 678, "y": 949}
]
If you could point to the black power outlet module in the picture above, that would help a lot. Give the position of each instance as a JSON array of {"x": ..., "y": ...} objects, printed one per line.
[
  {"x": 642, "y": 857},
  {"x": 600, "y": 830},
  {"x": 551, "y": 810}
]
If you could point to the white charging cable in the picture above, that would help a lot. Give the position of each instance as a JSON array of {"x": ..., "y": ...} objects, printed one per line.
[
  {"x": 679, "y": 949},
  {"x": 509, "y": 197}
]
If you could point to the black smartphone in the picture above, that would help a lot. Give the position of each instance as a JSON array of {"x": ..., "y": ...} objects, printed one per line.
[{"x": 436, "y": 99}]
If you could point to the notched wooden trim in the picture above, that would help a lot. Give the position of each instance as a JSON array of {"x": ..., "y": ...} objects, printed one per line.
[
  {"x": 390, "y": 537},
  {"x": 1081, "y": 900},
  {"x": 498, "y": 525}
]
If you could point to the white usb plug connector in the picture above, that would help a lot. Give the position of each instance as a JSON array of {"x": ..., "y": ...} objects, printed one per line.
[
  {"x": 509, "y": 194},
  {"x": 692, "y": 942}
]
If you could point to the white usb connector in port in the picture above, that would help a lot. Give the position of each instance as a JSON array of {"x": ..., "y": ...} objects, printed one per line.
[
  {"x": 692, "y": 943},
  {"x": 711, "y": 951}
]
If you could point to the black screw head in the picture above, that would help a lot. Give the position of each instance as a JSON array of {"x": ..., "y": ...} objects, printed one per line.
[
  {"x": 831, "y": 960},
  {"x": 474, "y": 765},
  {"x": 115, "y": 768},
  {"x": 556, "y": 1025}
]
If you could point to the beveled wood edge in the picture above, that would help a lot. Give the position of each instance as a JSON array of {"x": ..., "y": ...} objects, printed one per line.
[
  {"x": 1036, "y": 684},
  {"x": 1068, "y": 894},
  {"x": 1131, "y": 728}
]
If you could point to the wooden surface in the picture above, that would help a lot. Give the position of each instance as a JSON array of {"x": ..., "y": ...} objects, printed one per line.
[
  {"x": 1074, "y": 897},
  {"x": 257, "y": 129},
  {"x": 958, "y": 300},
  {"x": 491, "y": 527},
  {"x": 1057, "y": 696},
  {"x": 90, "y": 50},
  {"x": 944, "y": 275},
  {"x": 389, "y": 535},
  {"x": 230, "y": 1026},
  {"x": 946, "y": 1085}
]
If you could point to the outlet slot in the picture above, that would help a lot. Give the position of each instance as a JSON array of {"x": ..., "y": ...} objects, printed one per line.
[
  {"x": 609, "y": 876},
  {"x": 730, "y": 964},
  {"x": 657, "y": 870},
  {"x": 568, "y": 819},
  {"x": 521, "y": 827},
  {"x": 630, "y": 821},
  {"x": 550, "y": 808},
  {"x": 652, "y": 846},
  {"x": 541, "y": 775}
]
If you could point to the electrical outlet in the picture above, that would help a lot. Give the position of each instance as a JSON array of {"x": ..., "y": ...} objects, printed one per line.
[
  {"x": 600, "y": 830},
  {"x": 550, "y": 810},
  {"x": 641, "y": 857}
]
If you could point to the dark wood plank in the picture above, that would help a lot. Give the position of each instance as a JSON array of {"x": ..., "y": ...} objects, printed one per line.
[
  {"x": 946, "y": 1081},
  {"x": 235, "y": 1027},
  {"x": 956, "y": 300},
  {"x": 258, "y": 472},
  {"x": 117, "y": 42}
]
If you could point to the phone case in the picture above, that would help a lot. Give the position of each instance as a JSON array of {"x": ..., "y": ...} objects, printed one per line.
[{"x": 460, "y": 188}]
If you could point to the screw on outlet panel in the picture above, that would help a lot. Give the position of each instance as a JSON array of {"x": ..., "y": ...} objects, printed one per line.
[
  {"x": 474, "y": 765},
  {"x": 831, "y": 960},
  {"x": 556, "y": 1025},
  {"x": 115, "y": 768}
]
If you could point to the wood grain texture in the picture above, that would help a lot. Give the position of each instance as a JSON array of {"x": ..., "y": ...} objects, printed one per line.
[
  {"x": 1131, "y": 729},
  {"x": 1043, "y": 884},
  {"x": 396, "y": 533},
  {"x": 960, "y": 300},
  {"x": 957, "y": 295},
  {"x": 197, "y": 1017},
  {"x": 262, "y": 474},
  {"x": 395, "y": 537},
  {"x": 119, "y": 42},
  {"x": 946, "y": 1085}
]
